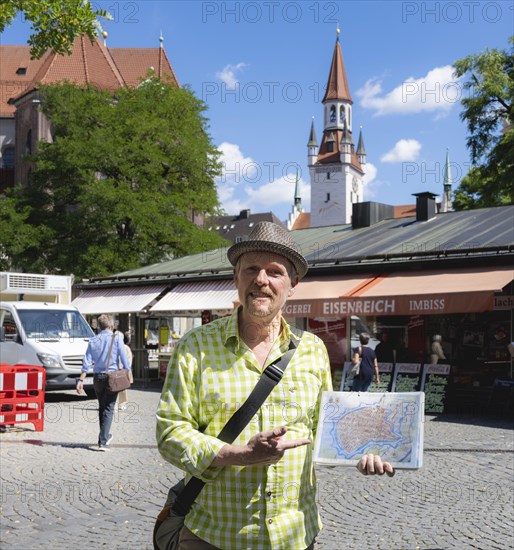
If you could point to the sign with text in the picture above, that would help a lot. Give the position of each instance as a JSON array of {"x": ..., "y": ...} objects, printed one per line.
[
  {"x": 385, "y": 371},
  {"x": 463, "y": 302},
  {"x": 434, "y": 382},
  {"x": 406, "y": 377}
]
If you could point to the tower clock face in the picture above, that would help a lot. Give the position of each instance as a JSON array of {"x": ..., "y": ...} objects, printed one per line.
[{"x": 355, "y": 184}]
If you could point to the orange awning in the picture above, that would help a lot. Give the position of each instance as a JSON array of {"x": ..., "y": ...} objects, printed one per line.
[
  {"x": 469, "y": 290},
  {"x": 310, "y": 291}
]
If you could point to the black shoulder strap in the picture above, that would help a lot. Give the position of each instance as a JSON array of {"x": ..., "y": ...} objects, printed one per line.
[{"x": 269, "y": 379}]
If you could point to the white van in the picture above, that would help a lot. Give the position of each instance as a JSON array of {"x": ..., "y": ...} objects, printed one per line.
[{"x": 45, "y": 331}]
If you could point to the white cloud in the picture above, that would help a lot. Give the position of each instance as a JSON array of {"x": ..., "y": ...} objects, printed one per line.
[
  {"x": 236, "y": 168},
  {"x": 371, "y": 183},
  {"x": 437, "y": 91},
  {"x": 228, "y": 74},
  {"x": 403, "y": 151},
  {"x": 278, "y": 192}
]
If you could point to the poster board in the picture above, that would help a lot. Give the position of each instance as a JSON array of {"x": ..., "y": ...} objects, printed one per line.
[
  {"x": 406, "y": 377},
  {"x": 352, "y": 424},
  {"x": 347, "y": 378},
  {"x": 386, "y": 376},
  {"x": 434, "y": 382}
]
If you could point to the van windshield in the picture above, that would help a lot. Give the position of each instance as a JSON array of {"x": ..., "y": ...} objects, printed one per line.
[{"x": 54, "y": 324}]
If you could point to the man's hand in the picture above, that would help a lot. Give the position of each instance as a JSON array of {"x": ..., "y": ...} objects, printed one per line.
[
  {"x": 266, "y": 447},
  {"x": 370, "y": 465}
]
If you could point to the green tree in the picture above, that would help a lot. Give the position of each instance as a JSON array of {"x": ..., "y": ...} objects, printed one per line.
[
  {"x": 116, "y": 188},
  {"x": 56, "y": 23},
  {"x": 16, "y": 236},
  {"x": 489, "y": 114}
]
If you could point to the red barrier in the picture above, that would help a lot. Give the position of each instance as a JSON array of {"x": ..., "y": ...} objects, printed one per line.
[{"x": 22, "y": 395}]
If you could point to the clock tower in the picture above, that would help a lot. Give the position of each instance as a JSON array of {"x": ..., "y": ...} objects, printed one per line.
[{"x": 337, "y": 169}]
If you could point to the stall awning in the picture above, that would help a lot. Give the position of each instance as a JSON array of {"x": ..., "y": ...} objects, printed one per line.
[
  {"x": 429, "y": 292},
  {"x": 117, "y": 300},
  {"x": 208, "y": 295}
]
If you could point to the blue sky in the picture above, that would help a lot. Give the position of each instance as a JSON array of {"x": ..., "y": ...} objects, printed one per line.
[{"x": 261, "y": 67}]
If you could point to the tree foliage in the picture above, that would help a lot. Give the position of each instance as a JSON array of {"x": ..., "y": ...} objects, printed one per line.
[
  {"x": 116, "y": 188},
  {"x": 56, "y": 23},
  {"x": 489, "y": 114}
]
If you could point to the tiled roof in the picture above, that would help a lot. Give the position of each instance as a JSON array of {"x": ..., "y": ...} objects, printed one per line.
[
  {"x": 303, "y": 221},
  {"x": 134, "y": 63},
  {"x": 405, "y": 211},
  {"x": 12, "y": 84},
  {"x": 89, "y": 63},
  {"x": 337, "y": 84},
  {"x": 324, "y": 157}
]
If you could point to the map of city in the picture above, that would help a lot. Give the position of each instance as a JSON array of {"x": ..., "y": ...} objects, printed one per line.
[{"x": 352, "y": 424}]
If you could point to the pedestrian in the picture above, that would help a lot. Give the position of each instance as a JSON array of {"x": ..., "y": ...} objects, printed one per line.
[
  {"x": 122, "y": 396},
  {"x": 368, "y": 364},
  {"x": 247, "y": 500},
  {"x": 103, "y": 353},
  {"x": 436, "y": 350},
  {"x": 385, "y": 350}
]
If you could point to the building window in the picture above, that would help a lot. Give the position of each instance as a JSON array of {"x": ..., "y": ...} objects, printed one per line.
[
  {"x": 330, "y": 146},
  {"x": 328, "y": 197},
  {"x": 328, "y": 175},
  {"x": 333, "y": 114},
  {"x": 341, "y": 114},
  {"x": 239, "y": 239},
  {"x": 28, "y": 143},
  {"x": 8, "y": 157}
]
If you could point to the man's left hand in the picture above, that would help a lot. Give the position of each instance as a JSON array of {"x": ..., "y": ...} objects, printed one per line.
[{"x": 370, "y": 465}]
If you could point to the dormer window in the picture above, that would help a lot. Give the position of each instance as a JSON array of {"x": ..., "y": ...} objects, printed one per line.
[{"x": 21, "y": 71}]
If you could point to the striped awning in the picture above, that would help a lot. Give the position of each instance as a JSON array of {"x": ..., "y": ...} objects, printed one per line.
[
  {"x": 117, "y": 300},
  {"x": 208, "y": 295}
]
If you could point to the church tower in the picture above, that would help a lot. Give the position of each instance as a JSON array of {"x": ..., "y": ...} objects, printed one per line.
[{"x": 337, "y": 169}]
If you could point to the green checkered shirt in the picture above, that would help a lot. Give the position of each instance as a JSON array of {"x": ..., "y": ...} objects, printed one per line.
[{"x": 210, "y": 375}]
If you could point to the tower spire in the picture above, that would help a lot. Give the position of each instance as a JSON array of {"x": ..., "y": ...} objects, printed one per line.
[
  {"x": 361, "y": 151},
  {"x": 312, "y": 146},
  {"x": 337, "y": 84}
]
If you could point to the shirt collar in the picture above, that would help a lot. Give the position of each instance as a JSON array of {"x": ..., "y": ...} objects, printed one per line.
[{"x": 233, "y": 342}]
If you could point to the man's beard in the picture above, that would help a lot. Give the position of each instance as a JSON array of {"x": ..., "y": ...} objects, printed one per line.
[{"x": 258, "y": 310}]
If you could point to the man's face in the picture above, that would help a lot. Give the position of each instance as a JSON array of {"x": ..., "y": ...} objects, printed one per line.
[{"x": 264, "y": 283}]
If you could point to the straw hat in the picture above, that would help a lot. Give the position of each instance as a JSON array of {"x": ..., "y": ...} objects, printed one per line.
[{"x": 270, "y": 237}]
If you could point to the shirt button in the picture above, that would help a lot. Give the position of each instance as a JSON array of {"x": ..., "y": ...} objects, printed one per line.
[
  {"x": 270, "y": 521},
  {"x": 269, "y": 493}
]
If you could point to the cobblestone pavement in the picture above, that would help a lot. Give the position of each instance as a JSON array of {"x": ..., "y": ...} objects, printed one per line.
[{"x": 57, "y": 492}]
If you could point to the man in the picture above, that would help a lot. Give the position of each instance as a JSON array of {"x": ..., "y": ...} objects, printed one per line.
[
  {"x": 385, "y": 351},
  {"x": 97, "y": 355},
  {"x": 260, "y": 491}
]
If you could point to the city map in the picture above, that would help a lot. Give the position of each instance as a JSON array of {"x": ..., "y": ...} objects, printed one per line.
[{"x": 352, "y": 424}]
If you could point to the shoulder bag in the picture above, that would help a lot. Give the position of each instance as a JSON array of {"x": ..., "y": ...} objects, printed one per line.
[
  {"x": 181, "y": 496},
  {"x": 357, "y": 366},
  {"x": 119, "y": 379}
]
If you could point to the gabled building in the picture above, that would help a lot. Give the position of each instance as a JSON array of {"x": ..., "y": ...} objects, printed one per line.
[{"x": 23, "y": 125}]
